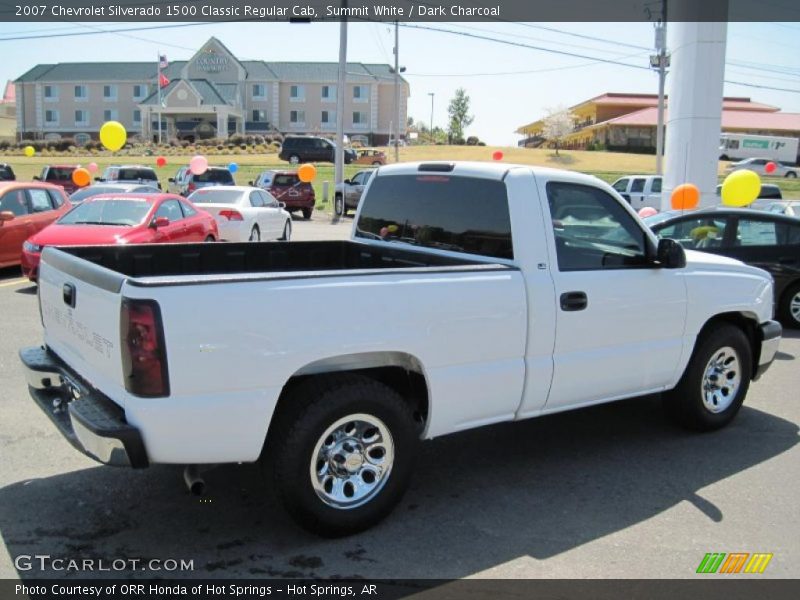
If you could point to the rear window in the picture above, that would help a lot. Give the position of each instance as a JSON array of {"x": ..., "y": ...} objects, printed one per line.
[
  {"x": 60, "y": 173},
  {"x": 770, "y": 192},
  {"x": 461, "y": 214},
  {"x": 136, "y": 174},
  {"x": 285, "y": 180},
  {"x": 214, "y": 176},
  {"x": 90, "y": 191}
]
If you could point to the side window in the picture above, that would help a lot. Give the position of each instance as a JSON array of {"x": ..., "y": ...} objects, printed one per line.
[
  {"x": 696, "y": 233},
  {"x": 256, "y": 199},
  {"x": 592, "y": 230},
  {"x": 793, "y": 235},
  {"x": 269, "y": 200},
  {"x": 14, "y": 201},
  {"x": 637, "y": 185},
  {"x": 188, "y": 211},
  {"x": 170, "y": 209},
  {"x": 357, "y": 179},
  {"x": 656, "y": 187},
  {"x": 56, "y": 198},
  {"x": 40, "y": 200},
  {"x": 754, "y": 232},
  {"x": 621, "y": 185}
]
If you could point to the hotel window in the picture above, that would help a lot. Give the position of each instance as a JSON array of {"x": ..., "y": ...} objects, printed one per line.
[
  {"x": 360, "y": 120},
  {"x": 51, "y": 117},
  {"x": 328, "y": 118},
  {"x": 137, "y": 116},
  {"x": 81, "y": 118},
  {"x": 259, "y": 91},
  {"x": 110, "y": 93},
  {"x": 51, "y": 93},
  {"x": 81, "y": 93},
  {"x": 259, "y": 116},
  {"x": 297, "y": 93},
  {"x": 297, "y": 117},
  {"x": 139, "y": 91},
  {"x": 360, "y": 93},
  {"x": 110, "y": 115},
  {"x": 329, "y": 93}
]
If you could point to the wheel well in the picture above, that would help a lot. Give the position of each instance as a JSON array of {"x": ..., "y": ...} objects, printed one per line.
[{"x": 749, "y": 325}]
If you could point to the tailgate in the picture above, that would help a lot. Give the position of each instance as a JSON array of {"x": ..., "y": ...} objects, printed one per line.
[{"x": 80, "y": 303}]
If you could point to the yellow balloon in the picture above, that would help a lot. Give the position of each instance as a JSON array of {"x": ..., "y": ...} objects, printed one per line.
[
  {"x": 113, "y": 135},
  {"x": 29, "y": 151},
  {"x": 740, "y": 188}
]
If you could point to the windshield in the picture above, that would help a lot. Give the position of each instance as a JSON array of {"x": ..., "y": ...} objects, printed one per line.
[
  {"x": 90, "y": 191},
  {"x": 117, "y": 212},
  {"x": 212, "y": 196}
]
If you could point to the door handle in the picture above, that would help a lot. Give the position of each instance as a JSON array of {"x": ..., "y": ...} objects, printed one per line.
[{"x": 572, "y": 301}]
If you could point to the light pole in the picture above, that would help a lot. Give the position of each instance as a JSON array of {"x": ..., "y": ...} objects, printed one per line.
[
  {"x": 431, "y": 94},
  {"x": 660, "y": 61},
  {"x": 340, "y": 96},
  {"x": 397, "y": 91}
]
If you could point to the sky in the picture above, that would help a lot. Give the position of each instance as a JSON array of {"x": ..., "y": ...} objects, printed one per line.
[{"x": 508, "y": 84}]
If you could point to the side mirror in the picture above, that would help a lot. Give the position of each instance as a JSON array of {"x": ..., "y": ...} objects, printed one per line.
[
  {"x": 6, "y": 215},
  {"x": 282, "y": 204},
  {"x": 670, "y": 254},
  {"x": 250, "y": 183},
  {"x": 347, "y": 181},
  {"x": 98, "y": 179},
  {"x": 159, "y": 222},
  {"x": 171, "y": 180},
  {"x": 37, "y": 178}
]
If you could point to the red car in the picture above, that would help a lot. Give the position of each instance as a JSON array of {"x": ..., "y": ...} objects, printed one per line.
[
  {"x": 25, "y": 209},
  {"x": 122, "y": 219},
  {"x": 287, "y": 188}
]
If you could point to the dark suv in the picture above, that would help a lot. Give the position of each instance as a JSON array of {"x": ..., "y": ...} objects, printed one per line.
[
  {"x": 298, "y": 149},
  {"x": 287, "y": 188},
  {"x": 130, "y": 174},
  {"x": 185, "y": 182},
  {"x": 6, "y": 172}
]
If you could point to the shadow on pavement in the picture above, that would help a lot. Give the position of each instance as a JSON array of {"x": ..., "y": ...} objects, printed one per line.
[{"x": 479, "y": 499}]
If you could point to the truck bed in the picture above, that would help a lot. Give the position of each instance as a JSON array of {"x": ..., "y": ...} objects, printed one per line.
[{"x": 164, "y": 264}]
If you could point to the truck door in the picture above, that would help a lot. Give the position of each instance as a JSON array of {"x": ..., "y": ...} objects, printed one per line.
[
  {"x": 636, "y": 194},
  {"x": 619, "y": 318}
]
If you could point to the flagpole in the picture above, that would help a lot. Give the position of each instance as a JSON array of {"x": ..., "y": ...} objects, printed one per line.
[{"x": 158, "y": 86}]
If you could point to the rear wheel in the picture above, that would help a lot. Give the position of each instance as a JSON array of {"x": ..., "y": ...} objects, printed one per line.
[
  {"x": 791, "y": 175},
  {"x": 209, "y": 238},
  {"x": 341, "y": 452},
  {"x": 287, "y": 231},
  {"x": 789, "y": 306},
  {"x": 307, "y": 213},
  {"x": 294, "y": 159},
  {"x": 255, "y": 234},
  {"x": 376, "y": 163},
  {"x": 715, "y": 382},
  {"x": 338, "y": 205}
]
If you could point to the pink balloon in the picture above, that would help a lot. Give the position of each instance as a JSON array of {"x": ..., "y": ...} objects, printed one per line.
[
  {"x": 92, "y": 166},
  {"x": 647, "y": 211},
  {"x": 497, "y": 155},
  {"x": 770, "y": 167},
  {"x": 198, "y": 165}
]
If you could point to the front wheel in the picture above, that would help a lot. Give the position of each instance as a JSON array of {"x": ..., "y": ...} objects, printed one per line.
[
  {"x": 294, "y": 159},
  {"x": 209, "y": 238},
  {"x": 338, "y": 205},
  {"x": 341, "y": 452},
  {"x": 715, "y": 382},
  {"x": 255, "y": 234},
  {"x": 789, "y": 306}
]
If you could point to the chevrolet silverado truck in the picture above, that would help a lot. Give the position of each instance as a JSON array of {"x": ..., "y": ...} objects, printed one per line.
[{"x": 483, "y": 293}]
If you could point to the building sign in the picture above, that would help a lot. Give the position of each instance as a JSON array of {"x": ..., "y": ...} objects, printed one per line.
[
  {"x": 212, "y": 62},
  {"x": 759, "y": 144}
]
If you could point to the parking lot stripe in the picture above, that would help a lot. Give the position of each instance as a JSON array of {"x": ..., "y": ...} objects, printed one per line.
[{"x": 14, "y": 282}]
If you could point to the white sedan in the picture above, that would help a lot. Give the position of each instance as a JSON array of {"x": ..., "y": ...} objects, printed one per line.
[{"x": 245, "y": 213}]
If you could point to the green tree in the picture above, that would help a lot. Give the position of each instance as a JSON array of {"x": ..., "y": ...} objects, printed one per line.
[{"x": 458, "y": 111}]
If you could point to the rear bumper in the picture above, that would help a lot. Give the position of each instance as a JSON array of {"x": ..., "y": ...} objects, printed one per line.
[
  {"x": 770, "y": 334},
  {"x": 90, "y": 421}
]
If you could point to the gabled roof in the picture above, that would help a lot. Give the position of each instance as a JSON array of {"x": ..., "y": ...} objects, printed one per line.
[
  {"x": 644, "y": 100},
  {"x": 208, "y": 92},
  {"x": 731, "y": 119}
]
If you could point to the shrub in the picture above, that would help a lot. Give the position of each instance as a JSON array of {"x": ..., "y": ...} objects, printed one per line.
[{"x": 472, "y": 140}]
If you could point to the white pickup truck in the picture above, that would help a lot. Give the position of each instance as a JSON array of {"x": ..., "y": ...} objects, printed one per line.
[
  {"x": 483, "y": 293},
  {"x": 640, "y": 190}
]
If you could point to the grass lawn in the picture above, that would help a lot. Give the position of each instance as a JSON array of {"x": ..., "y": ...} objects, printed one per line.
[{"x": 605, "y": 165}]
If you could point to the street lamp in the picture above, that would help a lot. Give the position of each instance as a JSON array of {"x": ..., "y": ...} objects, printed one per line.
[{"x": 431, "y": 94}]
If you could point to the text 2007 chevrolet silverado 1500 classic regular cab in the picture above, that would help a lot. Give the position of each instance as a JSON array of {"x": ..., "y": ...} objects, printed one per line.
[{"x": 483, "y": 293}]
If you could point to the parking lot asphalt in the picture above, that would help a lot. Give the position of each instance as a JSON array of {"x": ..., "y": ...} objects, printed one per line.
[{"x": 611, "y": 491}]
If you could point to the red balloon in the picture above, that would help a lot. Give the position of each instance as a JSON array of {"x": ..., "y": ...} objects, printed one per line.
[
  {"x": 497, "y": 155},
  {"x": 161, "y": 161},
  {"x": 770, "y": 167}
]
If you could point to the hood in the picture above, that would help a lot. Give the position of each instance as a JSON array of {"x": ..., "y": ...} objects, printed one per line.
[
  {"x": 705, "y": 260},
  {"x": 80, "y": 235}
]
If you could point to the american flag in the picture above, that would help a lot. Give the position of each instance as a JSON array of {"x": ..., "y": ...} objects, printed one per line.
[{"x": 162, "y": 61}]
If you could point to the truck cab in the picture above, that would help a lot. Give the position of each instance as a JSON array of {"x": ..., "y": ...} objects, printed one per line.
[{"x": 640, "y": 190}]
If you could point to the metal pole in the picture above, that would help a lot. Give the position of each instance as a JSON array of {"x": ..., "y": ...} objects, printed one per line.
[
  {"x": 158, "y": 87},
  {"x": 340, "y": 95},
  {"x": 431, "y": 94},
  {"x": 397, "y": 90},
  {"x": 661, "y": 50}
]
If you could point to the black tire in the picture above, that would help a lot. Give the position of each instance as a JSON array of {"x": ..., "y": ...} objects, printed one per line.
[
  {"x": 791, "y": 175},
  {"x": 255, "y": 234},
  {"x": 792, "y": 293},
  {"x": 287, "y": 231},
  {"x": 307, "y": 213},
  {"x": 376, "y": 163},
  {"x": 209, "y": 238},
  {"x": 310, "y": 409},
  {"x": 294, "y": 159},
  {"x": 338, "y": 205},
  {"x": 685, "y": 404}
]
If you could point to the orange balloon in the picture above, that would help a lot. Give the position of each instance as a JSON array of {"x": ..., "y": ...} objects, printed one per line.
[
  {"x": 81, "y": 177},
  {"x": 685, "y": 197},
  {"x": 307, "y": 173}
]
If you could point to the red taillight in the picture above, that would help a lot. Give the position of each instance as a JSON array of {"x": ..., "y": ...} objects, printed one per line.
[
  {"x": 231, "y": 215},
  {"x": 144, "y": 357}
]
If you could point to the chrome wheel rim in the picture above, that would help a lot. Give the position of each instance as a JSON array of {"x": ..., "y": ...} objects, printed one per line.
[
  {"x": 794, "y": 307},
  {"x": 722, "y": 380},
  {"x": 352, "y": 461},
  {"x": 295, "y": 160}
]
